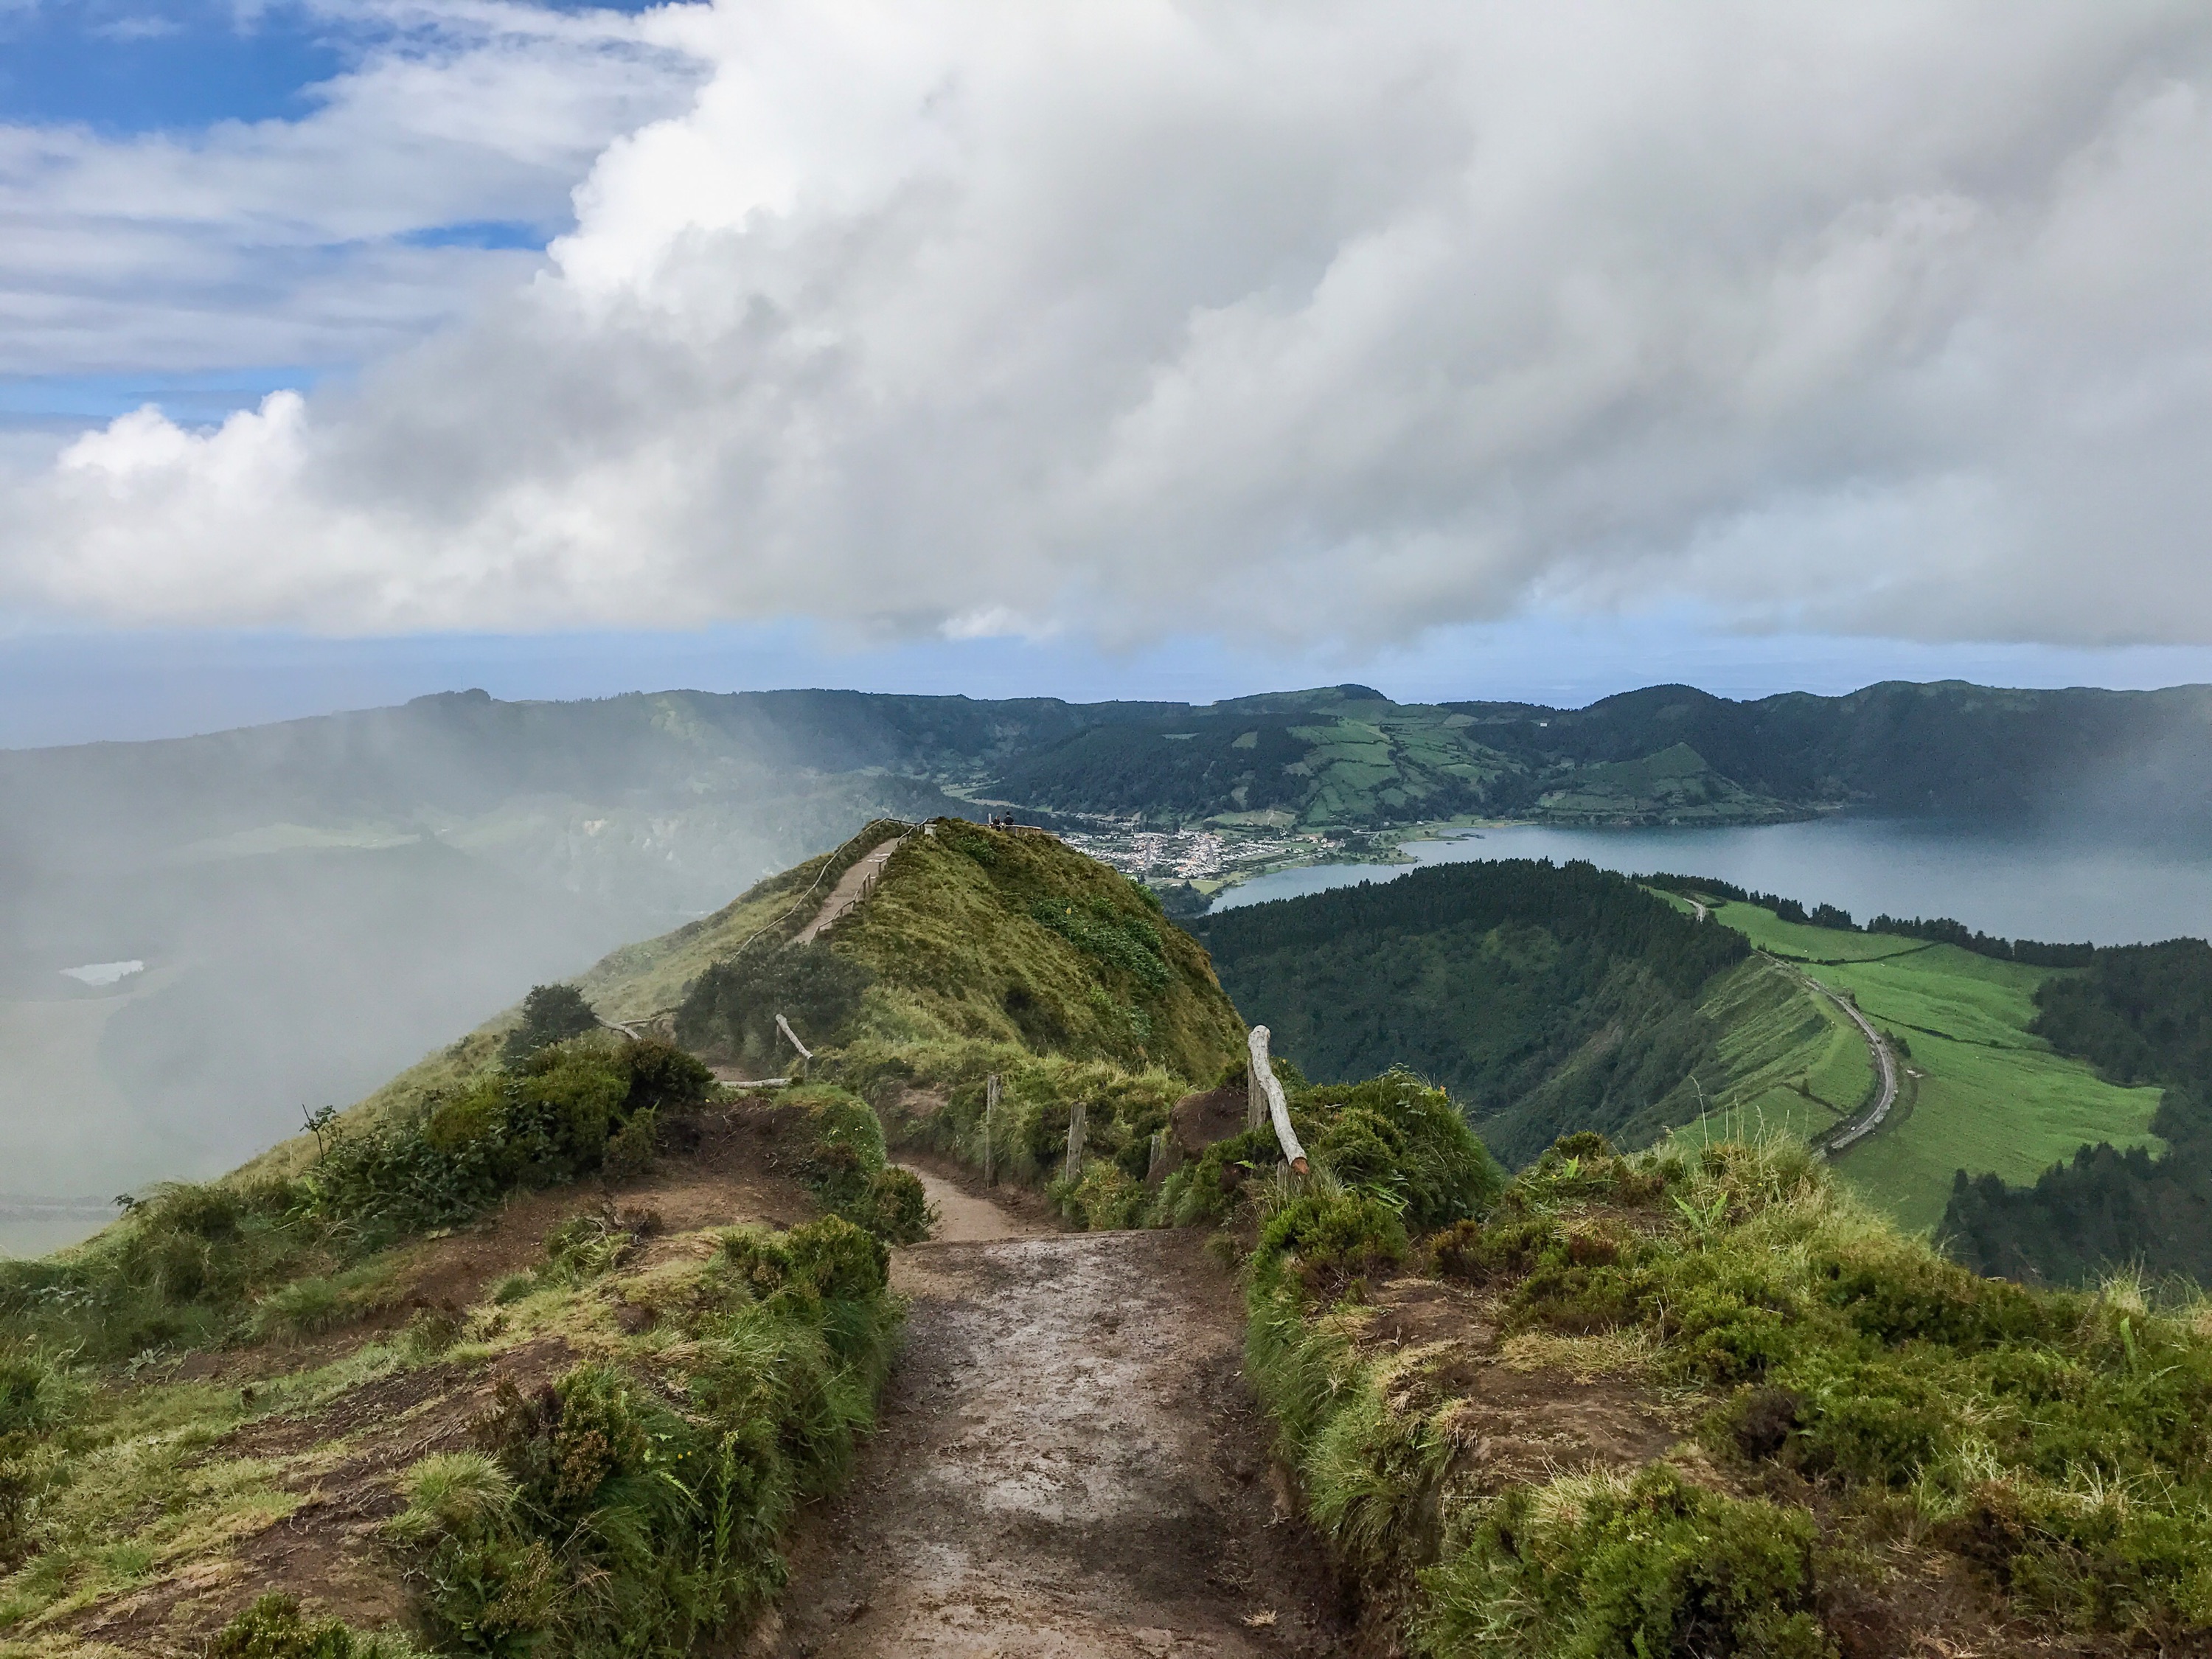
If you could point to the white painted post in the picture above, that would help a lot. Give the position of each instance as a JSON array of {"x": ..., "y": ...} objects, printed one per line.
[
  {"x": 1277, "y": 1108},
  {"x": 991, "y": 1130},
  {"x": 1076, "y": 1126}
]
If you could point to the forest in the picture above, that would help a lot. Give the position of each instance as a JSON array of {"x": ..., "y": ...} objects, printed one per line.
[{"x": 1546, "y": 998}]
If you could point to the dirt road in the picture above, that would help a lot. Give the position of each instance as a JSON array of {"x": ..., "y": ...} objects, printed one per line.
[{"x": 1069, "y": 1467}]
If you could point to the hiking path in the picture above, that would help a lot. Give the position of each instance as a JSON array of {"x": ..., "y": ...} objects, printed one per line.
[{"x": 1069, "y": 1466}]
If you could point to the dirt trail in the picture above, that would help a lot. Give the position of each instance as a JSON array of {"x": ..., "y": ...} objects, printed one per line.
[
  {"x": 852, "y": 887},
  {"x": 1069, "y": 1467},
  {"x": 963, "y": 1218}
]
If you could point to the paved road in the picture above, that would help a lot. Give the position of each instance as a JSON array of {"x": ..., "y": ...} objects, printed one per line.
[{"x": 1885, "y": 1061}]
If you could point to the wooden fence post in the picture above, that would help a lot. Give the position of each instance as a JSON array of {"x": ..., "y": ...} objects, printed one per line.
[
  {"x": 991, "y": 1130},
  {"x": 1278, "y": 1109},
  {"x": 1255, "y": 1097},
  {"x": 1159, "y": 1157},
  {"x": 1076, "y": 1129},
  {"x": 805, "y": 1054}
]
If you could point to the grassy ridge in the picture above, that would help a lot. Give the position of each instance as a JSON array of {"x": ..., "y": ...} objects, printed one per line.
[
  {"x": 1714, "y": 1406},
  {"x": 976, "y": 934},
  {"x": 1789, "y": 1062},
  {"x": 1990, "y": 1094}
]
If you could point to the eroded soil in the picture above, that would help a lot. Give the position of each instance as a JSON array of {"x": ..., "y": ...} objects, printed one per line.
[{"x": 1069, "y": 1467}]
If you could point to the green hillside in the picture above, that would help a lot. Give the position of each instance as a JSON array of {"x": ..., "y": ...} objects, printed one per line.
[
  {"x": 572, "y": 1330},
  {"x": 1548, "y": 999},
  {"x": 1983, "y": 1092},
  {"x": 2143, "y": 1015}
]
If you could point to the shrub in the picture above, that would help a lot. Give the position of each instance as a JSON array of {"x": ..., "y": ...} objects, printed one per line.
[
  {"x": 1593, "y": 1566},
  {"x": 1394, "y": 1135},
  {"x": 1099, "y": 928},
  {"x": 551, "y": 1014},
  {"x": 585, "y": 1246},
  {"x": 314, "y": 1304},
  {"x": 1330, "y": 1239},
  {"x": 895, "y": 1206},
  {"x": 731, "y": 1006},
  {"x": 840, "y": 1261},
  {"x": 35, "y": 1394},
  {"x": 630, "y": 1149},
  {"x": 450, "y": 1494},
  {"x": 274, "y": 1627}
]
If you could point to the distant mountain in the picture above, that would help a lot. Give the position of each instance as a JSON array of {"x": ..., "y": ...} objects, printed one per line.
[
  {"x": 571, "y": 826},
  {"x": 1347, "y": 756}
]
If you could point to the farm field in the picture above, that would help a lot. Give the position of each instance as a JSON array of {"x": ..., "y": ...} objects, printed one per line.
[
  {"x": 1793, "y": 1062},
  {"x": 1981, "y": 1092}
]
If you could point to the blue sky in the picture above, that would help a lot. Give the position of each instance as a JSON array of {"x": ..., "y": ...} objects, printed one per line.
[{"x": 203, "y": 204}]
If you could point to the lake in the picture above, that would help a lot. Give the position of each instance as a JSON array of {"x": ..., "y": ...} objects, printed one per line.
[{"x": 2064, "y": 887}]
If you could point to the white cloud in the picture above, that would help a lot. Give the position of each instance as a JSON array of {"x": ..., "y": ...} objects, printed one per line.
[
  {"x": 284, "y": 241},
  {"x": 1307, "y": 321}
]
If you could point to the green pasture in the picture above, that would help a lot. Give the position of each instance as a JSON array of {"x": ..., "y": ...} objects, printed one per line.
[
  {"x": 1980, "y": 1091},
  {"x": 1791, "y": 1062}
]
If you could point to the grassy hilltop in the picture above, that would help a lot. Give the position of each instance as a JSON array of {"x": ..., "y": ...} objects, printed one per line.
[{"x": 539, "y": 1346}]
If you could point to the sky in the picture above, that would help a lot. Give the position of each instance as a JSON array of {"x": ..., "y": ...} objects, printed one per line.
[{"x": 1112, "y": 348}]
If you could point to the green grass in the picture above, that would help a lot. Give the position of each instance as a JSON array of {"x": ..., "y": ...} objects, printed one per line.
[
  {"x": 1792, "y": 1062},
  {"x": 1989, "y": 1096},
  {"x": 982, "y": 934},
  {"x": 1848, "y": 1417}
]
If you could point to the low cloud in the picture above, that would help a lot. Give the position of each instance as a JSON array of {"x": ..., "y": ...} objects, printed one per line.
[{"x": 1310, "y": 322}]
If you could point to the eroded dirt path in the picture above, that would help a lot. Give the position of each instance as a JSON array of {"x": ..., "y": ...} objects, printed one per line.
[
  {"x": 1069, "y": 1467},
  {"x": 852, "y": 887}
]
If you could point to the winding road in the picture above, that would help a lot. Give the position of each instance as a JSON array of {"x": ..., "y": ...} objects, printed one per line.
[{"x": 1885, "y": 1061}]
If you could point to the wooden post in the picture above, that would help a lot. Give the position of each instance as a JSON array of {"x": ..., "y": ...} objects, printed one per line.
[
  {"x": 1277, "y": 1108},
  {"x": 805, "y": 1054},
  {"x": 1159, "y": 1157},
  {"x": 1076, "y": 1126},
  {"x": 1255, "y": 1097},
  {"x": 991, "y": 1130}
]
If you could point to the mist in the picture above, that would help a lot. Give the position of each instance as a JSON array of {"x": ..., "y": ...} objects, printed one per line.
[{"x": 320, "y": 904}]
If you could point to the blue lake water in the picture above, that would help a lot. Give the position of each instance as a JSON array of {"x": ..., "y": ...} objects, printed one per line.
[{"x": 2038, "y": 886}]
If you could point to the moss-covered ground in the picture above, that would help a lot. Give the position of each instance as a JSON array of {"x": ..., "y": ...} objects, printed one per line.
[{"x": 1714, "y": 1405}]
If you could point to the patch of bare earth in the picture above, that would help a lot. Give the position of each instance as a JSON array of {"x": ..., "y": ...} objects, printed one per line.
[{"x": 1070, "y": 1467}]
